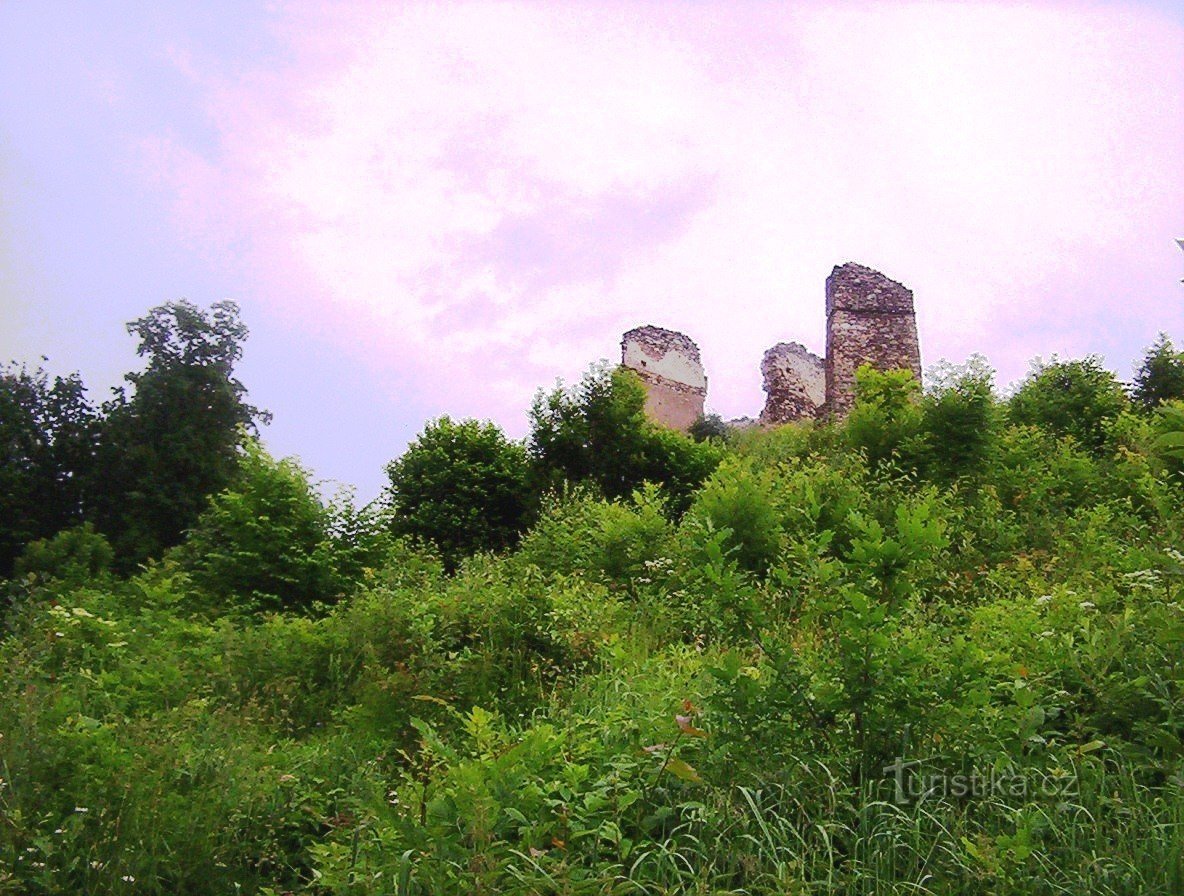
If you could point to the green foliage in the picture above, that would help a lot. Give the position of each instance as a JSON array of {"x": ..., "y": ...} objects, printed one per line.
[
  {"x": 461, "y": 486},
  {"x": 47, "y": 434},
  {"x": 886, "y": 416},
  {"x": 597, "y": 433},
  {"x": 175, "y": 441},
  {"x": 958, "y": 420},
  {"x": 1160, "y": 377},
  {"x": 617, "y": 543},
  {"x": 1168, "y": 426},
  {"x": 858, "y": 662},
  {"x": 741, "y": 502},
  {"x": 264, "y": 541},
  {"x": 76, "y": 556},
  {"x": 710, "y": 426},
  {"x": 1070, "y": 398}
]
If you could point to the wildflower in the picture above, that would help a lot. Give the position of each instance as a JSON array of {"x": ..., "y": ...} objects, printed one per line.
[
  {"x": 1086, "y": 605},
  {"x": 1045, "y": 599},
  {"x": 81, "y": 809}
]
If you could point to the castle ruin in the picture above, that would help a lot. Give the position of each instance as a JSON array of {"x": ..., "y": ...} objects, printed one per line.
[
  {"x": 794, "y": 383},
  {"x": 869, "y": 320},
  {"x": 668, "y": 363}
]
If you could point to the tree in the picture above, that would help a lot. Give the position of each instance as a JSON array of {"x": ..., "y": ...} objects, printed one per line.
[
  {"x": 597, "y": 433},
  {"x": 886, "y": 414},
  {"x": 264, "y": 540},
  {"x": 710, "y": 426},
  {"x": 47, "y": 432},
  {"x": 175, "y": 441},
  {"x": 1161, "y": 375},
  {"x": 958, "y": 419},
  {"x": 1070, "y": 398},
  {"x": 461, "y": 485}
]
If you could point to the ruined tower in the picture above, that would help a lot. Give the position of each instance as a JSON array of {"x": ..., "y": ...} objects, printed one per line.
[
  {"x": 794, "y": 384},
  {"x": 869, "y": 320},
  {"x": 668, "y": 363}
]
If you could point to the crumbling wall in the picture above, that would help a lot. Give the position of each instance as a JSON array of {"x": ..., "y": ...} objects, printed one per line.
[
  {"x": 794, "y": 384},
  {"x": 869, "y": 320},
  {"x": 669, "y": 364}
]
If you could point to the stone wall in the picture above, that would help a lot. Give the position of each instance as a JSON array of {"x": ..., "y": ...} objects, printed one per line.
[
  {"x": 869, "y": 320},
  {"x": 669, "y": 364},
  {"x": 794, "y": 384}
]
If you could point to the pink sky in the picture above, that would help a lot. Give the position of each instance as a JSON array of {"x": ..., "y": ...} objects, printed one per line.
[{"x": 461, "y": 203}]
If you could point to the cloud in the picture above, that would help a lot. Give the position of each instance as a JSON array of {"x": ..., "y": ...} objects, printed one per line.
[{"x": 479, "y": 197}]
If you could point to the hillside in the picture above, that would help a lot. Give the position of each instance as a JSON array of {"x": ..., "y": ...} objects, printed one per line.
[{"x": 937, "y": 647}]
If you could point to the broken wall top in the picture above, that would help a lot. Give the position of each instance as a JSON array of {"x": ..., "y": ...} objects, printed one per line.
[
  {"x": 655, "y": 352},
  {"x": 854, "y": 287}
]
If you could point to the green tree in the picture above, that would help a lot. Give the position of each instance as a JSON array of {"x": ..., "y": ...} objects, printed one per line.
[
  {"x": 175, "y": 441},
  {"x": 709, "y": 426},
  {"x": 463, "y": 486},
  {"x": 958, "y": 419},
  {"x": 887, "y": 413},
  {"x": 264, "y": 540},
  {"x": 1070, "y": 398},
  {"x": 47, "y": 432},
  {"x": 596, "y": 432},
  {"x": 1160, "y": 377},
  {"x": 1168, "y": 426}
]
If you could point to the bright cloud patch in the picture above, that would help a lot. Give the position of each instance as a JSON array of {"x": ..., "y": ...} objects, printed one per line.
[{"x": 510, "y": 187}]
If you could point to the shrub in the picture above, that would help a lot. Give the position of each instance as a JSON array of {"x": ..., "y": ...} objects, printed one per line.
[
  {"x": 263, "y": 541},
  {"x": 613, "y": 542},
  {"x": 597, "y": 433},
  {"x": 1160, "y": 377},
  {"x": 461, "y": 486},
  {"x": 743, "y": 501},
  {"x": 958, "y": 420},
  {"x": 73, "y": 556},
  {"x": 886, "y": 415},
  {"x": 1070, "y": 398}
]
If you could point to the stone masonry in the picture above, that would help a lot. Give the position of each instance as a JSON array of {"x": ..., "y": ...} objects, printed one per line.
[
  {"x": 869, "y": 320},
  {"x": 794, "y": 384},
  {"x": 668, "y": 363}
]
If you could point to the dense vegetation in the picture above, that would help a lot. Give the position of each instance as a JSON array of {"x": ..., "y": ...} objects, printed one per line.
[{"x": 935, "y": 648}]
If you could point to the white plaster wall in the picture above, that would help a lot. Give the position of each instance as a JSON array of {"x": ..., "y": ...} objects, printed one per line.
[{"x": 673, "y": 365}]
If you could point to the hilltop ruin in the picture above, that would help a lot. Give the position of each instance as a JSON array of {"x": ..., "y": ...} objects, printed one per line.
[
  {"x": 869, "y": 320},
  {"x": 669, "y": 364}
]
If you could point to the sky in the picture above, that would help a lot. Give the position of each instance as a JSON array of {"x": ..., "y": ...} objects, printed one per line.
[{"x": 438, "y": 209}]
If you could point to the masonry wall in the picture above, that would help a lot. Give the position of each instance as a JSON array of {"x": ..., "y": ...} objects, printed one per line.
[
  {"x": 669, "y": 365},
  {"x": 869, "y": 320},
  {"x": 794, "y": 383}
]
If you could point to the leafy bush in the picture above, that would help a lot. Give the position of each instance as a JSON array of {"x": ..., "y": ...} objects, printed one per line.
[
  {"x": 886, "y": 416},
  {"x": 613, "y": 542},
  {"x": 1160, "y": 377},
  {"x": 742, "y": 503},
  {"x": 74, "y": 556},
  {"x": 264, "y": 541},
  {"x": 461, "y": 486},
  {"x": 1070, "y": 398},
  {"x": 958, "y": 421},
  {"x": 597, "y": 433}
]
